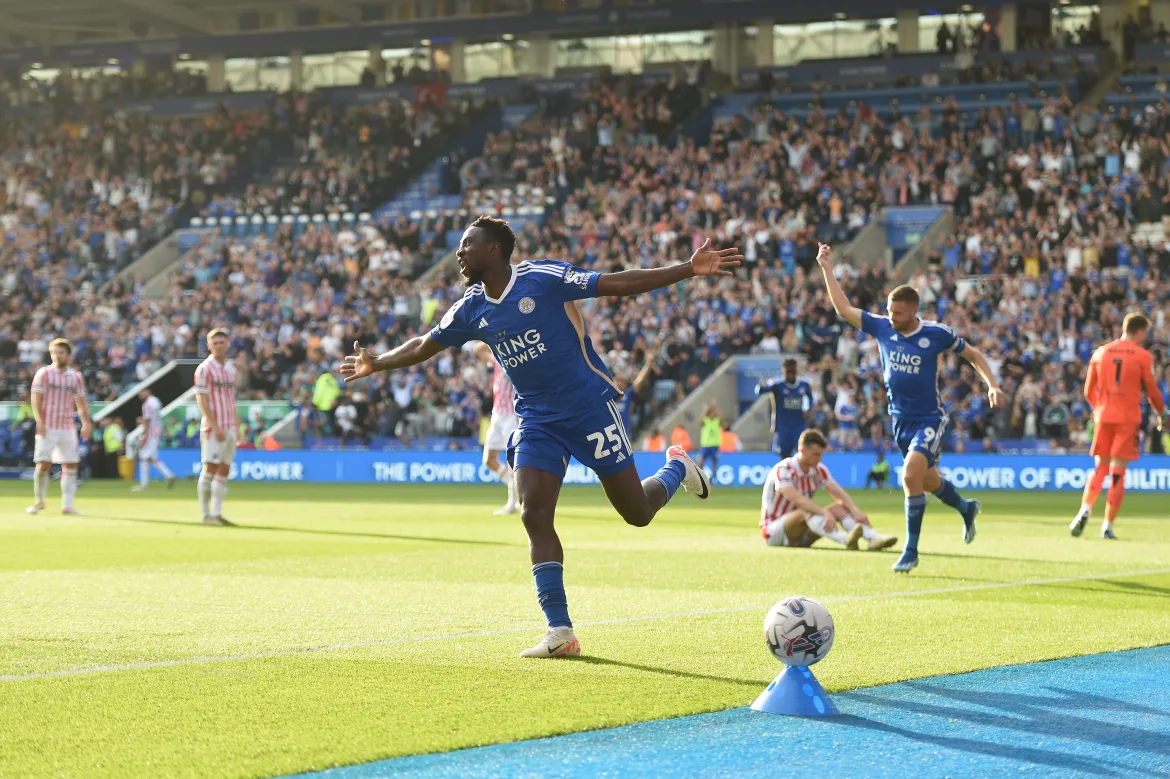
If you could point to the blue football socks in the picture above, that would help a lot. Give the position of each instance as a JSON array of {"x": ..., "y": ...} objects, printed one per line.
[
  {"x": 915, "y": 511},
  {"x": 950, "y": 496},
  {"x": 550, "y": 591},
  {"x": 670, "y": 476}
]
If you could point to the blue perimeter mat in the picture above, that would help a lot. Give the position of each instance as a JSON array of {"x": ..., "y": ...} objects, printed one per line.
[{"x": 1094, "y": 716}]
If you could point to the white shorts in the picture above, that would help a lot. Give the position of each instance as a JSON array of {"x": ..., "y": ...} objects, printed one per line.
[
  {"x": 215, "y": 451},
  {"x": 148, "y": 452},
  {"x": 58, "y": 446},
  {"x": 775, "y": 534},
  {"x": 500, "y": 431}
]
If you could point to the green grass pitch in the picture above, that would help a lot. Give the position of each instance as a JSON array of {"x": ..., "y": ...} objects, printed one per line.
[{"x": 346, "y": 624}]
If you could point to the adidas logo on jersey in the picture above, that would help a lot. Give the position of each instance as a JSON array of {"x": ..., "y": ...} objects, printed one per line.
[
  {"x": 482, "y": 323},
  {"x": 621, "y": 457}
]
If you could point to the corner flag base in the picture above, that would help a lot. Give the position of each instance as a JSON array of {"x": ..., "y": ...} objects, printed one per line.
[{"x": 796, "y": 692}]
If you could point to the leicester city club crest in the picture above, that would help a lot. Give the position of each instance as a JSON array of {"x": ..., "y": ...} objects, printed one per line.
[
  {"x": 527, "y": 305},
  {"x": 923, "y": 342}
]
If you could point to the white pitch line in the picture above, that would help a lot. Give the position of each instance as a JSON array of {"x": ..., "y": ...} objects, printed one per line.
[{"x": 102, "y": 669}]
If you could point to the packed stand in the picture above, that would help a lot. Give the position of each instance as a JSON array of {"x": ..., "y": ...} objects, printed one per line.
[
  {"x": 293, "y": 304},
  {"x": 1039, "y": 193},
  {"x": 1038, "y": 270},
  {"x": 357, "y": 158}
]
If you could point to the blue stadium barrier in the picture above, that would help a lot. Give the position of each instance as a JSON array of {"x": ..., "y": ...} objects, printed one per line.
[{"x": 742, "y": 469}]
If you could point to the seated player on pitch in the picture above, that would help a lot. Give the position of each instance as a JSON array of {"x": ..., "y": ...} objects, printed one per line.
[{"x": 790, "y": 517}]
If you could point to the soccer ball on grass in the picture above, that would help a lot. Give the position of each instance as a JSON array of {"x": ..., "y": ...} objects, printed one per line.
[{"x": 799, "y": 631}]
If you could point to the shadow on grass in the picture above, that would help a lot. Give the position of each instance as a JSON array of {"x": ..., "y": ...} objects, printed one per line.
[
  {"x": 309, "y": 531},
  {"x": 755, "y": 683}
]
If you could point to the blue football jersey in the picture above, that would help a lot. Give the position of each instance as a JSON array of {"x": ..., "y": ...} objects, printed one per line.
[
  {"x": 538, "y": 335},
  {"x": 791, "y": 401},
  {"x": 910, "y": 364}
]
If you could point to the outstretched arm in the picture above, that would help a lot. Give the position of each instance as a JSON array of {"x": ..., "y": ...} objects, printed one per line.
[
  {"x": 705, "y": 262},
  {"x": 979, "y": 362},
  {"x": 418, "y": 349},
  {"x": 841, "y": 304}
]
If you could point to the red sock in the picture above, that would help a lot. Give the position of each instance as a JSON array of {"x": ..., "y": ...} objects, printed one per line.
[
  {"x": 1094, "y": 485},
  {"x": 1116, "y": 495}
]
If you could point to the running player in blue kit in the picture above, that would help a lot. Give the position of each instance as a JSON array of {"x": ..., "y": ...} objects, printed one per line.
[
  {"x": 565, "y": 397},
  {"x": 910, "y": 348}
]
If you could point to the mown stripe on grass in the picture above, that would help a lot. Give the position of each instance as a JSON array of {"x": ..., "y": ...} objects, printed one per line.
[{"x": 150, "y": 665}]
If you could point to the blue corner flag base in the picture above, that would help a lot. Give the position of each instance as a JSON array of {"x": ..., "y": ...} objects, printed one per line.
[{"x": 797, "y": 692}]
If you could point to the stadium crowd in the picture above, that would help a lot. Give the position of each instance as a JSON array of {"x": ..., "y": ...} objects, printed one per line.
[{"x": 1041, "y": 265}]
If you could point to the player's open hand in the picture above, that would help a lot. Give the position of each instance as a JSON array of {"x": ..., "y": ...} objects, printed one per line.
[
  {"x": 993, "y": 396},
  {"x": 357, "y": 366},
  {"x": 709, "y": 262},
  {"x": 825, "y": 256}
]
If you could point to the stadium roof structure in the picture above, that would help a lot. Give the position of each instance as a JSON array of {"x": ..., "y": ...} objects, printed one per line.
[{"x": 60, "y": 31}]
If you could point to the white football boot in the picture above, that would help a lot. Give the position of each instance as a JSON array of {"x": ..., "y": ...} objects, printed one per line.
[{"x": 557, "y": 642}]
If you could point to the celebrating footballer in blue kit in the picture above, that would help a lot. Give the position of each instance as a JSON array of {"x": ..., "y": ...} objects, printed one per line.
[
  {"x": 910, "y": 348},
  {"x": 566, "y": 399},
  {"x": 791, "y": 400}
]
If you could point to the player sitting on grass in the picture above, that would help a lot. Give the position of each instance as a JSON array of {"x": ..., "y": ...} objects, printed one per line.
[
  {"x": 566, "y": 400},
  {"x": 1113, "y": 388},
  {"x": 790, "y": 517},
  {"x": 910, "y": 348}
]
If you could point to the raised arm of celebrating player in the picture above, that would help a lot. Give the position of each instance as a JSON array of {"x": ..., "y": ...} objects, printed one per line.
[
  {"x": 704, "y": 262},
  {"x": 846, "y": 310},
  {"x": 643, "y": 377}
]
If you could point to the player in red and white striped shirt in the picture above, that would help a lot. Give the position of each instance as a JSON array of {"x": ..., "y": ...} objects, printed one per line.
[
  {"x": 503, "y": 423},
  {"x": 790, "y": 517},
  {"x": 215, "y": 390},
  {"x": 58, "y": 390},
  {"x": 152, "y": 430}
]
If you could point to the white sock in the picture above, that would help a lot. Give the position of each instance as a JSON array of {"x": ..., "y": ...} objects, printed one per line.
[
  {"x": 40, "y": 485},
  {"x": 218, "y": 492},
  {"x": 816, "y": 524},
  {"x": 1086, "y": 509},
  {"x": 166, "y": 472},
  {"x": 68, "y": 488},
  {"x": 867, "y": 532},
  {"x": 143, "y": 473},
  {"x": 204, "y": 490},
  {"x": 509, "y": 478}
]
